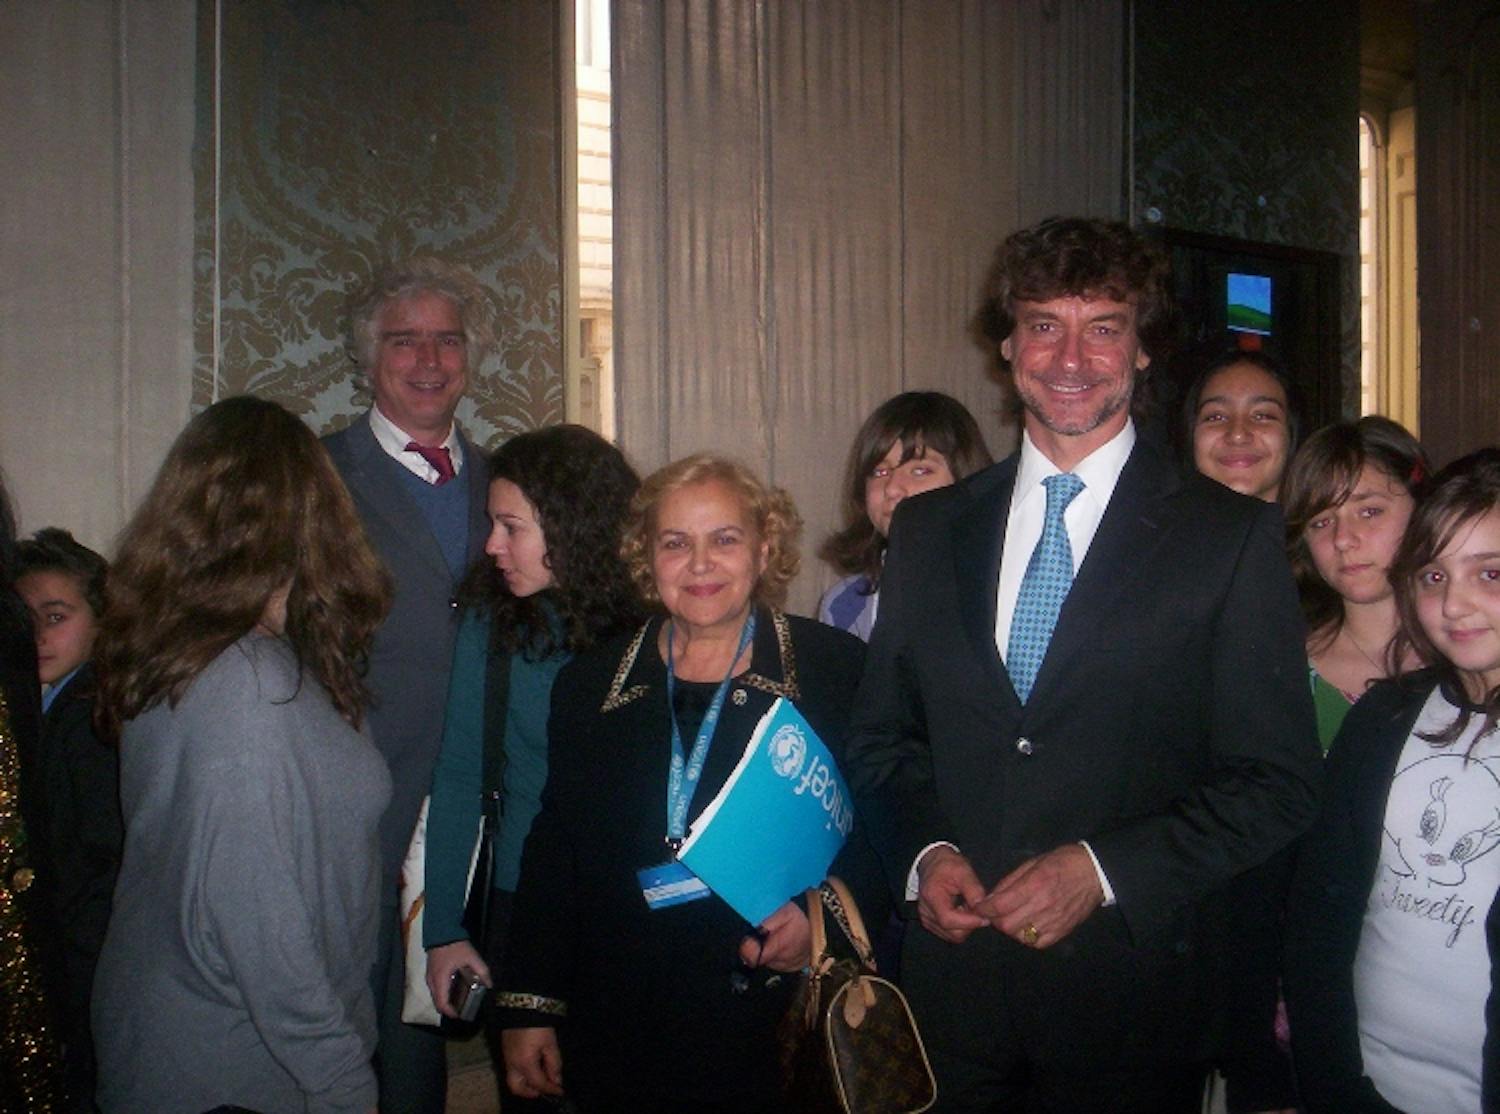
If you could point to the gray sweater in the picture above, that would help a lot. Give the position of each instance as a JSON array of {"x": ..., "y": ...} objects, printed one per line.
[{"x": 236, "y": 965}]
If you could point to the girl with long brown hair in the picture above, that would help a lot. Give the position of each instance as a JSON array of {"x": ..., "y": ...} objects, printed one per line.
[
  {"x": 1348, "y": 496},
  {"x": 917, "y": 441},
  {"x": 236, "y": 966},
  {"x": 1393, "y": 926}
]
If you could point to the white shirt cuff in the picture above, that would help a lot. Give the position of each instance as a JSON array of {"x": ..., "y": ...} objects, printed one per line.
[
  {"x": 912, "y": 880},
  {"x": 1109, "y": 893},
  {"x": 911, "y": 875}
]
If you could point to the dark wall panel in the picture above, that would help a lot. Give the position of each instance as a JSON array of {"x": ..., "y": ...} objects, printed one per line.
[{"x": 1245, "y": 125}]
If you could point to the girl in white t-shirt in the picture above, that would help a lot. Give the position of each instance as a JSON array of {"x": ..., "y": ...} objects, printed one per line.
[{"x": 1393, "y": 921}]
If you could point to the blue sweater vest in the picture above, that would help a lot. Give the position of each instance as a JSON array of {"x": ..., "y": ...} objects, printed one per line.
[{"x": 446, "y": 510}]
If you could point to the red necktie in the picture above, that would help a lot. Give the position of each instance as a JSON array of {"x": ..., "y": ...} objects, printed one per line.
[{"x": 438, "y": 458}]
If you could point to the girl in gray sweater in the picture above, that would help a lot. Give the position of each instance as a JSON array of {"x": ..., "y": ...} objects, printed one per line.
[{"x": 236, "y": 966}]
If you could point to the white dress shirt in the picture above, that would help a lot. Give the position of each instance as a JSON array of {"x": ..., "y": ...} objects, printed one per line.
[
  {"x": 1100, "y": 472},
  {"x": 393, "y": 440}
]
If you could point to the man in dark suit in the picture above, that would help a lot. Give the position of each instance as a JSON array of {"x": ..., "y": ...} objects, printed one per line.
[
  {"x": 420, "y": 488},
  {"x": 1085, "y": 711}
]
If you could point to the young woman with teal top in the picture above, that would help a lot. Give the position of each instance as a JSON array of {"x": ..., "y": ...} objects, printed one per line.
[
  {"x": 552, "y": 584},
  {"x": 1348, "y": 496}
]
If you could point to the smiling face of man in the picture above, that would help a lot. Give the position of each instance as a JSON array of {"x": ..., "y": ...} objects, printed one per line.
[
  {"x": 421, "y": 365},
  {"x": 1074, "y": 360}
]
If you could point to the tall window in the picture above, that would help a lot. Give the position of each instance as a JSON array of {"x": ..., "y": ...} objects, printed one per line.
[
  {"x": 1369, "y": 271},
  {"x": 594, "y": 225},
  {"x": 1388, "y": 265}
]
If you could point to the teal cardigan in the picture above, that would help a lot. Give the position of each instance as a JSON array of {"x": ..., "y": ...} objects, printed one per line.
[{"x": 457, "y": 780}]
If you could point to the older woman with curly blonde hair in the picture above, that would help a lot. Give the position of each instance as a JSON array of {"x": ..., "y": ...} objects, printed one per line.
[{"x": 669, "y": 1008}]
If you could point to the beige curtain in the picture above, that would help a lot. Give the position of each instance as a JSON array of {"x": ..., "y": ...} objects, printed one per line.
[
  {"x": 808, "y": 195},
  {"x": 96, "y": 231}
]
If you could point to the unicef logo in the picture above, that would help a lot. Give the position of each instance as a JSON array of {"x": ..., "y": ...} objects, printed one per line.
[{"x": 788, "y": 751}]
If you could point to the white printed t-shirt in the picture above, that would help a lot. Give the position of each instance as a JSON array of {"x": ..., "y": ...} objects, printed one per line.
[{"x": 1422, "y": 972}]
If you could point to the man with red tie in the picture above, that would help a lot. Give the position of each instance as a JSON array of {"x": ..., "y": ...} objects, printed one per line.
[{"x": 419, "y": 485}]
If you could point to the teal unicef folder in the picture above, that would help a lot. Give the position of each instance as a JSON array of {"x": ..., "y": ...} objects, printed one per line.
[{"x": 774, "y": 828}]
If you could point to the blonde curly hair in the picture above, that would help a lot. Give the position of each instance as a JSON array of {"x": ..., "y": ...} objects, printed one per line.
[{"x": 771, "y": 509}]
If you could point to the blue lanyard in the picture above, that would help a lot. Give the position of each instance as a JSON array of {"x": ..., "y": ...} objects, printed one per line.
[{"x": 683, "y": 774}]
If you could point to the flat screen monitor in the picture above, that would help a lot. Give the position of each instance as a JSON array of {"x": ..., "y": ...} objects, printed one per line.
[{"x": 1248, "y": 303}]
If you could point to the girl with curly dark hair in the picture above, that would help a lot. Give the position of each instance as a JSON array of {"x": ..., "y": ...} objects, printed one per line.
[{"x": 552, "y": 584}]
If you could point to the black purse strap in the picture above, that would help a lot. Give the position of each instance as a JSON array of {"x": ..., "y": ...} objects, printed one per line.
[{"x": 496, "y": 698}]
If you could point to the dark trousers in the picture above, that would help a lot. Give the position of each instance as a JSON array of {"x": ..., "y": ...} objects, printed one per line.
[
  {"x": 411, "y": 1061},
  {"x": 1004, "y": 1041}
]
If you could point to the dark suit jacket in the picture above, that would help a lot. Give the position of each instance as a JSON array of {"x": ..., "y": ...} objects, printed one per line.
[
  {"x": 1170, "y": 725},
  {"x": 1336, "y": 866},
  {"x": 81, "y": 796},
  {"x": 413, "y": 651}
]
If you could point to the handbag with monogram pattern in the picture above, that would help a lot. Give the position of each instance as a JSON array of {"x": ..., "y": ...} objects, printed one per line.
[{"x": 849, "y": 1042}]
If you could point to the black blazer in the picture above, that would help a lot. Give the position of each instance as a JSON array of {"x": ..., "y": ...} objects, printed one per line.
[
  {"x": 81, "y": 776},
  {"x": 1170, "y": 725},
  {"x": 649, "y": 1009},
  {"x": 1336, "y": 866}
]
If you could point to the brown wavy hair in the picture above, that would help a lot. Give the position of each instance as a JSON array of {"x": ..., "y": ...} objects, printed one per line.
[
  {"x": 1080, "y": 257},
  {"x": 771, "y": 509},
  {"x": 919, "y": 421},
  {"x": 246, "y": 504},
  {"x": 1323, "y": 475}
]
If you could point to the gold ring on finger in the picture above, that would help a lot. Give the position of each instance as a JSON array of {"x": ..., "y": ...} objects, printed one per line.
[{"x": 1030, "y": 935}]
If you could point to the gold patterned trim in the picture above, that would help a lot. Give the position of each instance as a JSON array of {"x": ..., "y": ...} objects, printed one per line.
[
  {"x": 787, "y": 687},
  {"x": 534, "y": 1002},
  {"x": 618, "y": 695}
]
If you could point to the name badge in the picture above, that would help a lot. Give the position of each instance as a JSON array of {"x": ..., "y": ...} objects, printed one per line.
[{"x": 670, "y": 883}]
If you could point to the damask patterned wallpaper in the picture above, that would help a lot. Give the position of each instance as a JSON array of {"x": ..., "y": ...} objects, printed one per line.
[
  {"x": 334, "y": 135},
  {"x": 1245, "y": 124}
]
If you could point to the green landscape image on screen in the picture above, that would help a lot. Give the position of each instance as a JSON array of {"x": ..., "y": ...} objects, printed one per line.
[{"x": 1249, "y": 303}]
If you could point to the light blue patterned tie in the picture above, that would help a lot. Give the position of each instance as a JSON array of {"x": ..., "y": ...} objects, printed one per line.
[{"x": 1049, "y": 575}]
